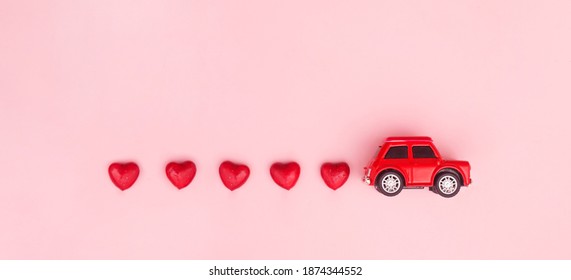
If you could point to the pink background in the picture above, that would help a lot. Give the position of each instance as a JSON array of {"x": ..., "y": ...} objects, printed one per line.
[{"x": 86, "y": 83}]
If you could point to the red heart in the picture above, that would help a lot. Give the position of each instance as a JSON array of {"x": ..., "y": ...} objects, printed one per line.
[
  {"x": 181, "y": 174},
  {"x": 123, "y": 175},
  {"x": 335, "y": 174},
  {"x": 233, "y": 175},
  {"x": 285, "y": 174}
]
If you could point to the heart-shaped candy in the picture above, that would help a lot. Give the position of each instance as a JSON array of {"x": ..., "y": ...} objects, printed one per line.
[
  {"x": 285, "y": 174},
  {"x": 335, "y": 174},
  {"x": 123, "y": 175},
  {"x": 233, "y": 175},
  {"x": 181, "y": 174}
]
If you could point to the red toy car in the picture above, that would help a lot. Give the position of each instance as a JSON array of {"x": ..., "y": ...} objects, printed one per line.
[{"x": 414, "y": 162}]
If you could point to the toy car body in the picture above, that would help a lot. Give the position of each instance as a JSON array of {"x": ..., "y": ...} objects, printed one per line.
[{"x": 414, "y": 162}]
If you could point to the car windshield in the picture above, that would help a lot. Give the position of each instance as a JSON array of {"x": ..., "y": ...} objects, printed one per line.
[{"x": 377, "y": 152}]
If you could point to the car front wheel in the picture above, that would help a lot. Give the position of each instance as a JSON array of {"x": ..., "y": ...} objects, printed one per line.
[
  {"x": 389, "y": 184},
  {"x": 447, "y": 184}
]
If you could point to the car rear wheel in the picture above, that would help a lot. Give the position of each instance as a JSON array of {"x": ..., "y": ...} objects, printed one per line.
[
  {"x": 447, "y": 184},
  {"x": 389, "y": 184}
]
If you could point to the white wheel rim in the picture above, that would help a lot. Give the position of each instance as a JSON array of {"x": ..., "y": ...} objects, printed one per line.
[
  {"x": 447, "y": 184},
  {"x": 390, "y": 183}
]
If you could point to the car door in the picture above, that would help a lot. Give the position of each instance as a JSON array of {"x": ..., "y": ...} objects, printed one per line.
[
  {"x": 397, "y": 157},
  {"x": 424, "y": 162}
]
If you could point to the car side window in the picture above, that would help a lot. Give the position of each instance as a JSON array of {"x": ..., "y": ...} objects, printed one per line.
[
  {"x": 422, "y": 152},
  {"x": 397, "y": 152}
]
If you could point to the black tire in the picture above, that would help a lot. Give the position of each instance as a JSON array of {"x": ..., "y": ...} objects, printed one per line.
[
  {"x": 389, "y": 178},
  {"x": 447, "y": 184}
]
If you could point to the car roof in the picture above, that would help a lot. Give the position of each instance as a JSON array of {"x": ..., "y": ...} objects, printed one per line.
[{"x": 408, "y": 139}]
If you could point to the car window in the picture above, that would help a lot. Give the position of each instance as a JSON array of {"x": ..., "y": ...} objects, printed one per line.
[
  {"x": 377, "y": 152},
  {"x": 422, "y": 152},
  {"x": 397, "y": 152}
]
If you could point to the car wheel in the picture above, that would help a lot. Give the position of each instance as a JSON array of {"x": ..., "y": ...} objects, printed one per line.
[
  {"x": 389, "y": 184},
  {"x": 447, "y": 184}
]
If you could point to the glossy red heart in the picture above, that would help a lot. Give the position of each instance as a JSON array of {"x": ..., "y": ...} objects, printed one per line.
[
  {"x": 181, "y": 174},
  {"x": 233, "y": 175},
  {"x": 335, "y": 174},
  {"x": 123, "y": 175},
  {"x": 285, "y": 174}
]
